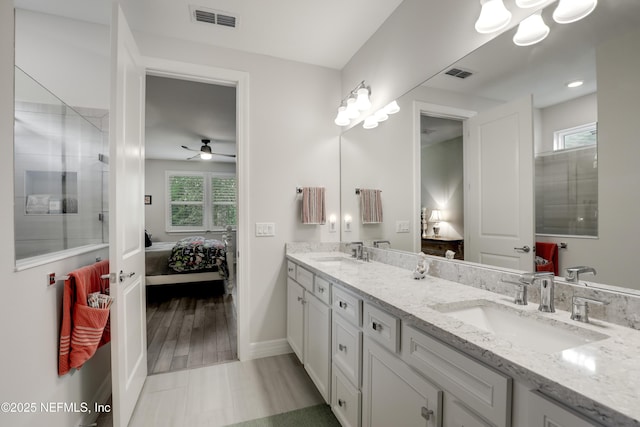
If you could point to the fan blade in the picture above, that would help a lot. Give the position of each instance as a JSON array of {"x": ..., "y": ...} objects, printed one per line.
[
  {"x": 220, "y": 154},
  {"x": 193, "y": 157},
  {"x": 190, "y": 149}
]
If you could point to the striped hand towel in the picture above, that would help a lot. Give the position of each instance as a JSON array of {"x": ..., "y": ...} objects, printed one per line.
[
  {"x": 313, "y": 210},
  {"x": 371, "y": 206}
]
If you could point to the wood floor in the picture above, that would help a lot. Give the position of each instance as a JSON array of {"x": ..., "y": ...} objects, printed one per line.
[{"x": 189, "y": 326}]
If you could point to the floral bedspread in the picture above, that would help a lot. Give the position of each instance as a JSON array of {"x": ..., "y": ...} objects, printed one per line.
[{"x": 198, "y": 254}]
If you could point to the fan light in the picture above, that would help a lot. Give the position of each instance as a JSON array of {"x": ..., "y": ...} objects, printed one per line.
[
  {"x": 205, "y": 156},
  {"x": 573, "y": 10},
  {"x": 494, "y": 16},
  {"x": 531, "y": 30}
]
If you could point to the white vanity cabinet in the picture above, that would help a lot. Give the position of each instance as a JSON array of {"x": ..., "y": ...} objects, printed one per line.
[
  {"x": 309, "y": 325},
  {"x": 543, "y": 412},
  {"x": 346, "y": 351},
  {"x": 393, "y": 394}
]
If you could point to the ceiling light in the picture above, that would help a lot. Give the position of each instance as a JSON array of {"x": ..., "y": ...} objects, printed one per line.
[
  {"x": 205, "y": 156},
  {"x": 342, "y": 119},
  {"x": 370, "y": 122},
  {"x": 494, "y": 16},
  {"x": 531, "y": 30},
  {"x": 392, "y": 108},
  {"x": 362, "y": 101},
  {"x": 573, "y": 10},
  {"x": 525, "y": 4},
  {"x": 576, "y": 83}
]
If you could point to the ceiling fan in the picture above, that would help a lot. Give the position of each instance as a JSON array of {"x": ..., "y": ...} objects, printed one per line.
[{"x": 205, "y": 152}]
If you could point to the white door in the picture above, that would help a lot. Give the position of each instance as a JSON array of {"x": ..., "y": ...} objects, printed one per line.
[
  {"x": 126, "y": 221},
  {"x": 499, "y": 227}
]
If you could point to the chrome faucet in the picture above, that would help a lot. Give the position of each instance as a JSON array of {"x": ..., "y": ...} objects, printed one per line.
[
  {"x": 356, "y": 250},
  {"x": 580, "y": 308},
  {"x": 573, "y": 273},
  {"x": 547, "y": 285},
  {"x": 377, "y": 243}
]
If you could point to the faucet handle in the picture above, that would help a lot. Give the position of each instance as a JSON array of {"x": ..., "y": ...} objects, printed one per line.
[
  {"x": 573, "y": 273},
  {"x": 580, "y": 308}
]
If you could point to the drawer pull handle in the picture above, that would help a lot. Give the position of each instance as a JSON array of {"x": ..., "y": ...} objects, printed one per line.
[
  {"x": 290, "y": 269},
  {"x": 299, "y": 298},
  {"x": 321, "y": 289},
  {"x": 426, "y": 413},
  {"x": 342, "y": 347},
  {"x": 342, "y": 304},
  {"x": 341, "y": 403},
  {"x": 376, "y": 326}
]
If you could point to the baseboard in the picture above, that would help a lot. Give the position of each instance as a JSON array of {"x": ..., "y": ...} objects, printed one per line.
[{"x": 261, "y": 349}]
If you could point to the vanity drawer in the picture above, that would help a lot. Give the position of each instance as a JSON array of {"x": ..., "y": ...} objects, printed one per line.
[
  {"x": 347, "y": 348},
  {"x": 347, "y": 305},
  {"x": 345, "y": 400},
  {"x": 291, "y": 269},
  {"x": 305, "y": 278},
  {"x": 382, "y": 327},
  {"x": 322, "y": 290},
  {"x": 481, "y": 388}
]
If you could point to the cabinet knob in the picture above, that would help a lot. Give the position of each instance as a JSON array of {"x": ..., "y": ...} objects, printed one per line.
[
  {"x": 342, "y": 304},
  {"x": 426, "y": 413},
  {"x": 299, "y": 298},
  {"x": 342, "y": 347},
  {"x": 341, "y": 403},
  {"x": 376, "y": 326},
  {"x": 321, "y": 289}
]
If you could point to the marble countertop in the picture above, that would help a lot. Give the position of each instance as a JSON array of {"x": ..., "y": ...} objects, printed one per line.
[{"x": 602, "y": 378}]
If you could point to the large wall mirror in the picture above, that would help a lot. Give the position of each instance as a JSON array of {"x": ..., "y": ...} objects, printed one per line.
[{"x": 584, "y": 146}]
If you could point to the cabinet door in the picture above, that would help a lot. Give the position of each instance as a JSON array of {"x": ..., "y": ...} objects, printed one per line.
[
  {"x": 295, "y": 318},
  {"x": 395, "y": 395},
  {"x": 317, "y": 344},
  {"x": 543, "y": 412},
  {"x": 456, "y": 414}
]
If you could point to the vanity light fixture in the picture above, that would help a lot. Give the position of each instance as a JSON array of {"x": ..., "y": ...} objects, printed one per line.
[
  {"x": 525, "y": 4},
  {"x": 370, "y": 122},
  {"x": 575, "y": 83},
  {"x": 494, "y": 16},
  {"x": 381, "y": 115},
  {"x": 355, "y": 102},
  {"x": 531, "y": 30},
  {"x": 392, "y": 107},
  {"x": 569, "y": 11}
]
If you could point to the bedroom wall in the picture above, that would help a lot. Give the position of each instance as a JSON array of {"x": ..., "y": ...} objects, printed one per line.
[
  {"x": 292, "y": 142},
  {"x": 155, "y": 214},
  {"x": 29, "y": 309}
]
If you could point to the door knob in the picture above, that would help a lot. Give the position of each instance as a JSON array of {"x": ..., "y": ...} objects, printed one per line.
[
  {"x": 124, "y": 275},
  {"x": 525, "y": 249}
]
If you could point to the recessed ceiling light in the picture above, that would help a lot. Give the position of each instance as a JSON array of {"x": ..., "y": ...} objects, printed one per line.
[{"x": 575, "y": 83}]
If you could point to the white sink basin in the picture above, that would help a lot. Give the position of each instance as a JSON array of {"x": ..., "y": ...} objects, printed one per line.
[
  {"x": 526, "y": 329},
  {"x": 336, "y": 260}
]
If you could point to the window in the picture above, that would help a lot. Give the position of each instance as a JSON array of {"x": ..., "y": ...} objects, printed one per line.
[
  {"x": 200, "y": 201},
  {"x": 576, "y": 137}
]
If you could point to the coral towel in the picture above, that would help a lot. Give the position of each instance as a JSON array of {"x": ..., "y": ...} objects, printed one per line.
[
  {"x": 313, "y": 210},
  {"x": 548, "y": 251},
  {"x": 84, "y": 329}
]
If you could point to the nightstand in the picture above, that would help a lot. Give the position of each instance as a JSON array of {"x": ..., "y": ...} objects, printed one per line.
[{"x": 439, "y": 245}]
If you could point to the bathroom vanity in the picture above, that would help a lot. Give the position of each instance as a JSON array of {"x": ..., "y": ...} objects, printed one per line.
[{"x": 439, "y": 352}]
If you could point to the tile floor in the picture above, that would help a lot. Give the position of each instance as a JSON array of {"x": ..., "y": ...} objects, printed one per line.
[{"x": 223, "y": 394}]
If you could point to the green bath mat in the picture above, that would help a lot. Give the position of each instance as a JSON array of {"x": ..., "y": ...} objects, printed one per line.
[{"x": 313, "y": 416}]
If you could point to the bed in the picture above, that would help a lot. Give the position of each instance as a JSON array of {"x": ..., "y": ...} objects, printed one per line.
[{"x": 192, "y": 259}]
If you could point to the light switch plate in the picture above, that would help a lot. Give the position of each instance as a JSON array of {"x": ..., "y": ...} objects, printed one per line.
[
  {"x": 265, "y": 229},
  {"x": 402, "y": 226}
]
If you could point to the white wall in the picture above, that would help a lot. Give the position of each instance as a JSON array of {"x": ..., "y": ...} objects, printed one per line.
[
  {"x": 30, "y": 310},
  {"x": 576, "y": 112},
  {"x": 292, "y": 142}
]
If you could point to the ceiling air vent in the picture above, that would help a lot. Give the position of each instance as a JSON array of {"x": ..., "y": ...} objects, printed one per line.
[
  {"x": 215, "y": 17},
  {"x": 457, "y": 72}
]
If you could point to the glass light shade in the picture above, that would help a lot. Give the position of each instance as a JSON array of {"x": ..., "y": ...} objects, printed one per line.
[
  {"x": 370, "y": 122},
  {"x": 494, "y": 16},
  {"x": 362, "y": 101},
  {"x": 205, "y": 156},
  {"x": 352, "y": 109},
  {"x": 575, "y": 83},
  {"x": 381, "y": 115},
  {"x": 525, "y": 4},
  {"x": 531, "y": 30},
  {"x": 435, "y": 216},
  {"x": 569, "y": 11},
  {"x": 392, "y": 108},
  {"x": 342, "y": 119}
]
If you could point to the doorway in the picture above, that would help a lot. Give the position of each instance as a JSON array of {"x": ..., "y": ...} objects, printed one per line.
[{"x": 190, "y": 208}]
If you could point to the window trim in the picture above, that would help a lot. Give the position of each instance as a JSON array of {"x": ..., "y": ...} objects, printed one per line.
[{"x": 207, "y": 202}]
